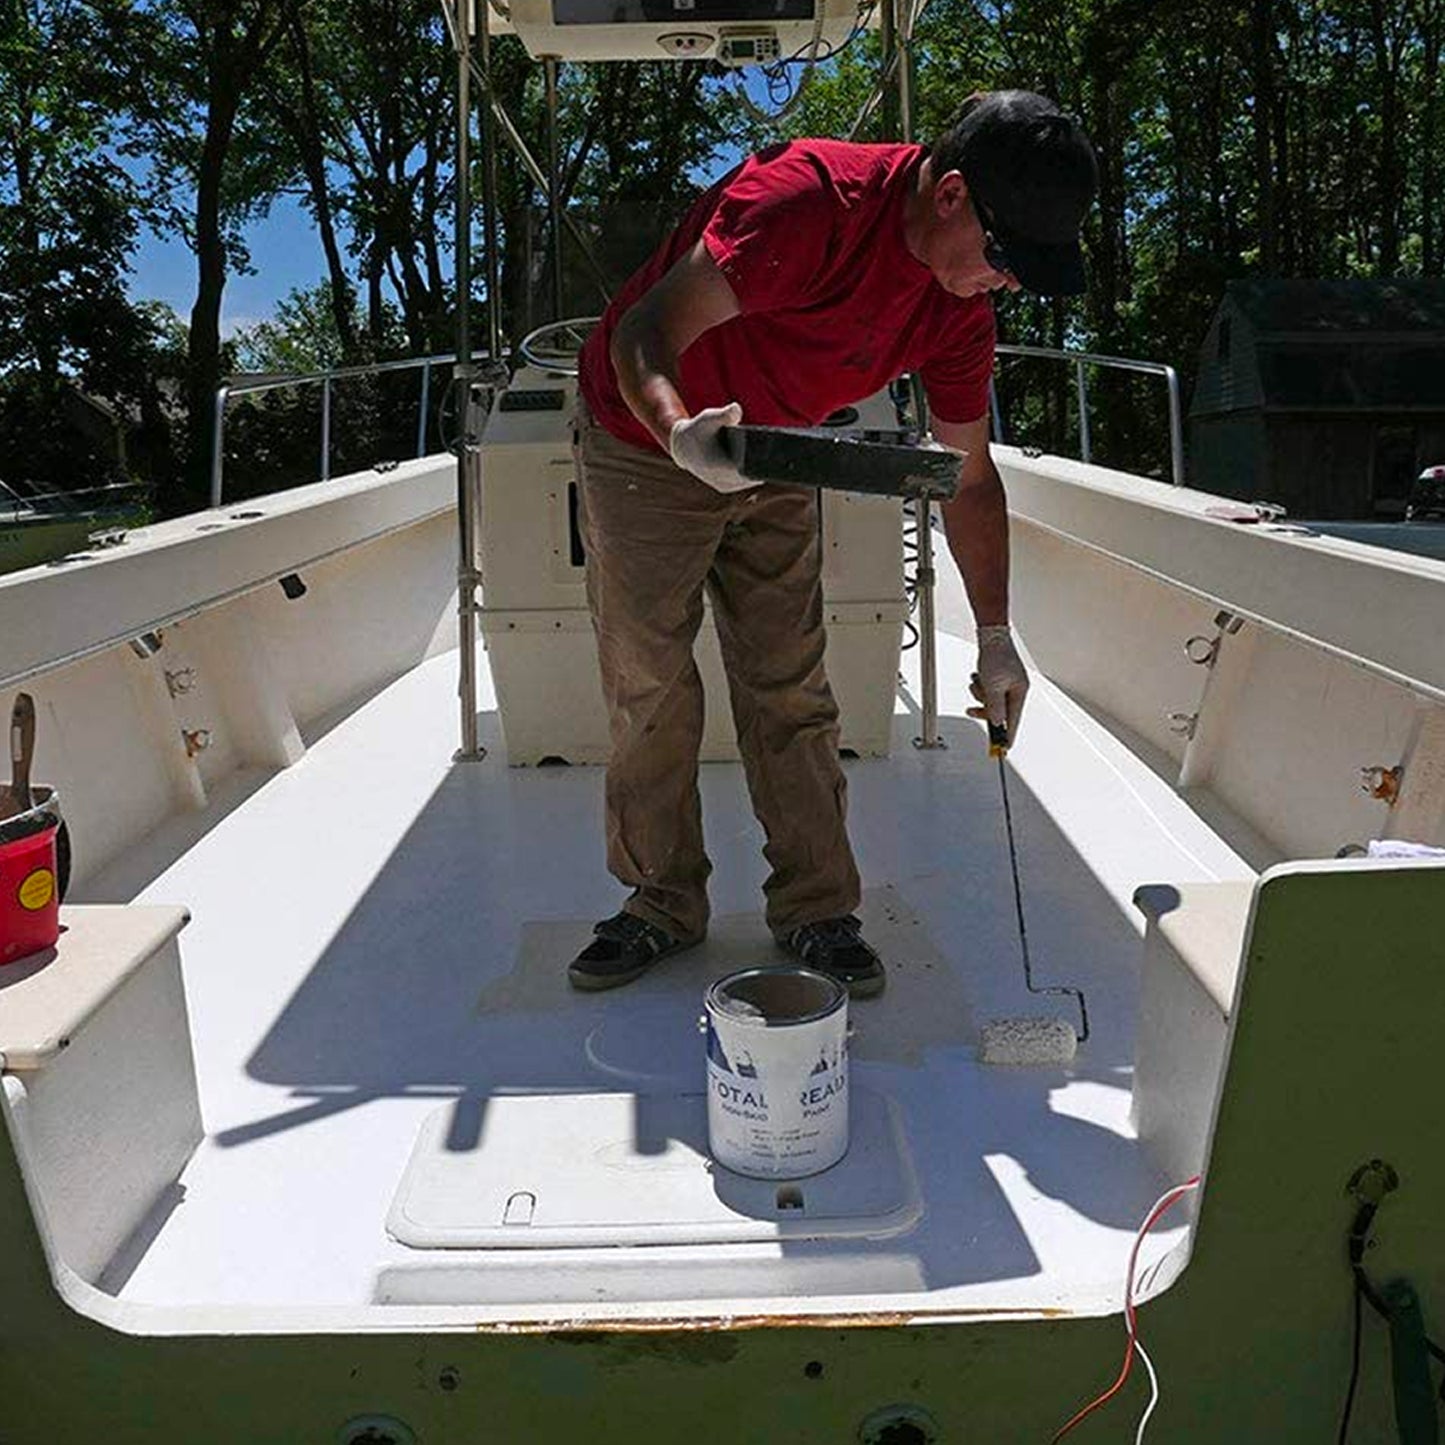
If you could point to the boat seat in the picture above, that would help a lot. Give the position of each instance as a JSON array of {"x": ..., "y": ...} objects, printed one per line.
[
  {"x": 47, "y": 998},
  {"x": 1333, "y": 1063},
  {"x": 1193, "y": 948},
  {"x": 101, "y": 1104}
]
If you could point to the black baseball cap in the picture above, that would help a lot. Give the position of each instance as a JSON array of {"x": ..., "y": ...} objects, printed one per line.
[{"x": 1034, "y": 171}]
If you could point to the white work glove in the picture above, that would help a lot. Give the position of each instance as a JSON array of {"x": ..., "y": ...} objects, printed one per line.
[
  {"x": 697, "y": 447},
  {"x": 1000, "y": 684}
]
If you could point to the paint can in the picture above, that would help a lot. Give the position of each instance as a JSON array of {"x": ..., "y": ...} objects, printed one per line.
[
  {"x": 777, "y": 1072},
  {"x": 30, "y": 878}
]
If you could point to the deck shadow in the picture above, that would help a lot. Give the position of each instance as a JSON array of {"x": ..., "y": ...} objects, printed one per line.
[{"x": 645, "y": 1035}]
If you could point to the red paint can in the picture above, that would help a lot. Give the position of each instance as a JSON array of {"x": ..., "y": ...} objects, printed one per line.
[{"x": 29, "y": 881}]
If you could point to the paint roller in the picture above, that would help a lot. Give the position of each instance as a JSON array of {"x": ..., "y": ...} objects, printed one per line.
[
  {"x": 873, "y": 460},
  {"x": 1027, "y": 1040}
]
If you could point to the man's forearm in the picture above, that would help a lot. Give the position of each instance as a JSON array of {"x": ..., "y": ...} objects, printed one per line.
[
  {"x": 645, "y": 372},
  {"x": 692, "y": 298},
  {"x": 976, "y": 522}
]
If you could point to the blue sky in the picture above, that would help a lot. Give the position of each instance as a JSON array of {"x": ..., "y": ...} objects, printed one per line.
[{"x": 285, "y": 254}]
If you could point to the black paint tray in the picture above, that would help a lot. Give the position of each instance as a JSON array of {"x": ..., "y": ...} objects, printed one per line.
[{"x": 884, "y": 463}]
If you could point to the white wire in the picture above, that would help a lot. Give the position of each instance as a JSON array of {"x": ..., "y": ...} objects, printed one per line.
[
  {"x": 1153, "y": 1390},
  {"x": 1131, "y": 1300}
]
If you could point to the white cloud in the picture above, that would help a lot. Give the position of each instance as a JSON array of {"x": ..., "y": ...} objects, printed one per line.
[{"x": 230, "y": 325}]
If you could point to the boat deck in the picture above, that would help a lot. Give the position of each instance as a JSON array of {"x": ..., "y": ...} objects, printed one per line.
[{"x": 379, "y": 934}]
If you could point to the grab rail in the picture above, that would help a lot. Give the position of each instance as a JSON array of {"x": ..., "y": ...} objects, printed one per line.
[
  {"x": 70, "y": 505},
  {"x": 242, "y": 387},
  {"x": 1081, "y": 359}
]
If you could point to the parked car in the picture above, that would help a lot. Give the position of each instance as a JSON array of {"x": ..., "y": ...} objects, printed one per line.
[{"x": 1427, "y": 495}]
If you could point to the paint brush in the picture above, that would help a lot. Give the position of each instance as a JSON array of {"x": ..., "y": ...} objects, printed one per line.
[{"x": 22, "y": 751}]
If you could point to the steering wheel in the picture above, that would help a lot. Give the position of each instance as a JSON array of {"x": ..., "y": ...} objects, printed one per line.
[{"x": 554, "y": 347}]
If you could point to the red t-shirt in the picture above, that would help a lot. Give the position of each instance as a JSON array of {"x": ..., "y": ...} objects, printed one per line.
[{"x": 833, "y": 304}]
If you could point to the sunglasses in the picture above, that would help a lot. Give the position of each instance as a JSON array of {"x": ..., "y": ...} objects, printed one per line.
[{"x": 994, "y": 251}]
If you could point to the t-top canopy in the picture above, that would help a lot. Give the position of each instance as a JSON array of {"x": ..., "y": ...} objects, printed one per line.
[{"x": 735, "y": 32}]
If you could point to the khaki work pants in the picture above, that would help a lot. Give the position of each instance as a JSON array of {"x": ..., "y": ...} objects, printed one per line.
[{"x": 654, "y": 537}]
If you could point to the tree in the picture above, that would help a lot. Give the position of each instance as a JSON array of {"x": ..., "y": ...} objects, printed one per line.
[
  {"x": 304, "y": 335},
  {"x": 633, "y": 136},
  {"x": 272, "y": 437},
  {"x": 67, "y": 228},
  {"x": 193, "y": 70},
  {"x": 372, "y": 114},
  {"x": 1430, "y": 22},
  {"x": 1235, "y": 138},
  {"x": 304, "y": 112}
]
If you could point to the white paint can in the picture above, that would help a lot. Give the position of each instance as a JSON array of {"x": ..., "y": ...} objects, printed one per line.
[{"x": 777, "y": 1072}]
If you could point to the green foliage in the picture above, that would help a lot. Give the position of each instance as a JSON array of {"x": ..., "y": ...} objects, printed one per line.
[
  {"x": 631, "y": 135},
  {"x": 190, "y": 73},
  {"x": 65, "y": 230},
  {"x": 303, "y": 335},
  {"x": 273, "y": 438},
  {"x": 67, "y": 227},
  {"x": 363, "y": 107},
  {"x": 186, "y": 116},
  {"x": 1236, "y": 138}
]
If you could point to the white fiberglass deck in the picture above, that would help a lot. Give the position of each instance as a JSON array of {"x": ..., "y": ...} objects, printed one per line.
[{"x": 378, "y": 933}]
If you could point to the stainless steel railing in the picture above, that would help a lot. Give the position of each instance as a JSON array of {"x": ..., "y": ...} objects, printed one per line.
[
  {"x": 71, "y": 505},
  {"x": 1081, "y": 360},
  {"x": 324, "y": 379}
]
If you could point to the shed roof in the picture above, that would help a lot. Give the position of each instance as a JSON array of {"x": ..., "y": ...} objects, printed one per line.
[{"x": 1341, "y": 307}]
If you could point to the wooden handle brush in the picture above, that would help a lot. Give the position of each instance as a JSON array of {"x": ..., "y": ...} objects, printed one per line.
[{"x": 22, "y": 751}]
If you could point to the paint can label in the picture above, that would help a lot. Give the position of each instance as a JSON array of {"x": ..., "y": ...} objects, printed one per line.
[{"x": 777, "y": 1097}]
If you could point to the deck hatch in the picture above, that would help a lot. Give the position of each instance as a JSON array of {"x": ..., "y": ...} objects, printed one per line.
[{"x": 583, "y": 1170}]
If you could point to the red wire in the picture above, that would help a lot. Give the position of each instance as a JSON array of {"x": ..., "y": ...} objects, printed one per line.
[{"x": 1165, "y": 1203}]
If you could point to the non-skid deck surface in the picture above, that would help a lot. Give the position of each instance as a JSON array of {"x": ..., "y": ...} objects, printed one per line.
[{"x": 379, "y": 934}]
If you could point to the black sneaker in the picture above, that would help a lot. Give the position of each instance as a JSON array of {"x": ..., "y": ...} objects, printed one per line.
[
  {"x": 835, "y": 947},
  {"x": 625, "y": 948}
]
